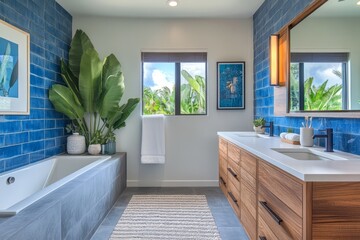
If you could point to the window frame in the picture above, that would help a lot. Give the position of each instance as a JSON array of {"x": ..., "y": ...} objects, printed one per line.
[
  {"x": 315, "y": 57},
  {"x": 177, "y": 58}
]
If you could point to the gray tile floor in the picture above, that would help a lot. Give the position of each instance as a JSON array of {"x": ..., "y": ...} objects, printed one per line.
[{"x": 225, "y": 218}]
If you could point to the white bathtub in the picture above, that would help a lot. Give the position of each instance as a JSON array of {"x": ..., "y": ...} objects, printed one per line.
[{"x": 32, "y": 182}]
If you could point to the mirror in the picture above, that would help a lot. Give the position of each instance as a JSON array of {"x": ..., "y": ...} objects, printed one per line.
[{"x": 325, "y": 59}]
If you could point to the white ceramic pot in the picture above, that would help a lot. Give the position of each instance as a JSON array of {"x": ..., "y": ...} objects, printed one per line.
[
  {"x": 94, "y": 149},
  {"x": 76, "y": 144},
  {"x": 259, "y": 129}
]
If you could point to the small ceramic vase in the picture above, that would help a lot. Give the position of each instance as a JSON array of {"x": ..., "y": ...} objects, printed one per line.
[
  {"x": 259, "y": 129},
  {"x": 103, "y": 149},
  {"x": 76, "y": 144},
  {"x": 111, "y": 148},
  {"x": 94, "y": 149}
]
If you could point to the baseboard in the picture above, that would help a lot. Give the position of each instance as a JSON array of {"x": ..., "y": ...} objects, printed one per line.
[{"x": 173, "y": 183}]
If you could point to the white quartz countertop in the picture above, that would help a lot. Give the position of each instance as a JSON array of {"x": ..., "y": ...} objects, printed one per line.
[{"x": 306, "y": 170}]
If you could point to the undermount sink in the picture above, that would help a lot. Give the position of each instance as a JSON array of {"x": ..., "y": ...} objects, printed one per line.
[
  {"x": 307, "y": 154},
  {"x": 251, "y": 134}
]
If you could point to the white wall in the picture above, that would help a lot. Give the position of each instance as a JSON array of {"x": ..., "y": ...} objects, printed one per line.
[
  {"x": 332, "y": 35},
  {"x": 191, "y": 141}
]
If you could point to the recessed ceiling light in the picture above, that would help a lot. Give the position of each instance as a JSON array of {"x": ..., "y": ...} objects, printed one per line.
[
  {"x": 358, "y": 3},
  {"x": 172, "y": 3}
]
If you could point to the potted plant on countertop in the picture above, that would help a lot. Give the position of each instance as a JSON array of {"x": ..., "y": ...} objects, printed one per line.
[
  {"x": 258, "y": 123},
  {"x": 93, "y": 91}
]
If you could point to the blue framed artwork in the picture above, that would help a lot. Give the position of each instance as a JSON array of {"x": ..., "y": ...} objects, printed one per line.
[
  {"x": 14, "y": 70},
  {"x": 230, "y": 85}
]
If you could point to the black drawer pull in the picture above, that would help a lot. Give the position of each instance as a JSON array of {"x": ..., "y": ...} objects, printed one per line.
[
  {"x": 232, "y": 172},
  {"x": 271, "y": 212},
  {"x": 222, "y": 181},
  {"x": 233, "y": 198},
  {"x": 262, "y": 238}
]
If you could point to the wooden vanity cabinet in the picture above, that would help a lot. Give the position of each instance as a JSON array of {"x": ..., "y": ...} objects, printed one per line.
[
  {"x": 289, "y": 208},
  {"x": 248, "y": 193},
  {"x": 280, "y": 204},
  {"x": 241, "y": 185},
  {"x": 274, "y": 205},
  {"x": 229, "y": 173},
  {"x": 336, "y": 210},
  {"x": 233, "y": 173},
  {"x": 223, "y": 165}
]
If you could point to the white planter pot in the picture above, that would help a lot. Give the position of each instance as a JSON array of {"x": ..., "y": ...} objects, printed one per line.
[
  {"x": 76, "y": 144},
  {"x": 259, "y": 129},
  {"x": 94, "y": 149}
]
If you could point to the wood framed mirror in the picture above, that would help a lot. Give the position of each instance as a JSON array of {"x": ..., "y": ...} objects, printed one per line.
[{"x": 315, "y": 65}]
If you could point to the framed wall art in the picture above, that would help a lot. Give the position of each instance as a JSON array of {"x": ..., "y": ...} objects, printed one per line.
[
  {"x": 14, "y": 70},
  {"x": 230, "y": 85}
]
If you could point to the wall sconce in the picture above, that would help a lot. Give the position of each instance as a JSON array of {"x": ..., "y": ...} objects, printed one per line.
[{"x": 274, "y": 60}]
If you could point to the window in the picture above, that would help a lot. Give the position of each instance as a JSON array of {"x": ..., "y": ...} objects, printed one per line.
[
  {"x": 318, "y": 81},
  {"x": 174, "y": 83}
]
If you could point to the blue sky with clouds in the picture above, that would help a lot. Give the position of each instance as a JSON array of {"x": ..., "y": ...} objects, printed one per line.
[
  {"x": 322, "y": 72},
  {"x": 158, "y": 75}
]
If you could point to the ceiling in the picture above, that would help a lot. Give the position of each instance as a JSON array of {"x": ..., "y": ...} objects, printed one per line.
[{"x": 160, "y": 9}]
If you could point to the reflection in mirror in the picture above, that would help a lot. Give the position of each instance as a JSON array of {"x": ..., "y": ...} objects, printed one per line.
[{"x": 325, "y": 59}]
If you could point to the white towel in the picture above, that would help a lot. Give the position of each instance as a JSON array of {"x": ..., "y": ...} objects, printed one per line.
[
  {"x": 283, "y": 134},
  {"x": 153, "y": 139},
  {"x": 293, "y": 136}
]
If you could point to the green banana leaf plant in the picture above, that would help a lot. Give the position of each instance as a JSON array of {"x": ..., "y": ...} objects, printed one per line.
[
  {"x": 316, "y": 98},
  {"x": 162, "y": 101},
  {"x": 93, "y": 91},
  {"x": 321, "y": 97},
  {"x": 193, "y": 94}
]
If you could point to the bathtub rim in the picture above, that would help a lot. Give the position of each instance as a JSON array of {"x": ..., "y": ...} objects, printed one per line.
[
  {"x": 21, "y": 205},
  {"x": 10, "y": 226},
  {"x": 49, "y": 158}
]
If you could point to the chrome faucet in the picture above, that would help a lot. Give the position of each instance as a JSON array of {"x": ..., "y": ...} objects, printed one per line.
[
  {"x": 271, "y": 128},
  {"x": 328, "y": 137}
]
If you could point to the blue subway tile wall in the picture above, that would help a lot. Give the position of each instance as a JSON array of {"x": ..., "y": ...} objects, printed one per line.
[
  {"x": 269, "y": 19},
  {"x": 27, "y": 139}
]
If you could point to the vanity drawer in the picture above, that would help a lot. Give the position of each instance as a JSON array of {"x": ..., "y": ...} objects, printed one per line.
[
  {"x": 283, "y": 222},
  {"x": 249, "y": 180},
  {"x": 233, "y": 171},
  {"x": 222, "y": 163},
  {"x": 264, "y": 231},
  {"x": 249, "y": 222},
  {"x": 223, "y": 182},
  {"x": 234, "y": 197},
  {"x": 248, "y": 163},
  {"x": 223, "y": 146},
  {"x": 248, "y": 200},
  {"x": 234, "y": 153},
  {"x": 248, "y": 211},
  {"x": 282, "y": 185}
]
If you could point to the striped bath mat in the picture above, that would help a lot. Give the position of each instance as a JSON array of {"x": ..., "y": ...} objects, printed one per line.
[{"x": 166, "y": 217}]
